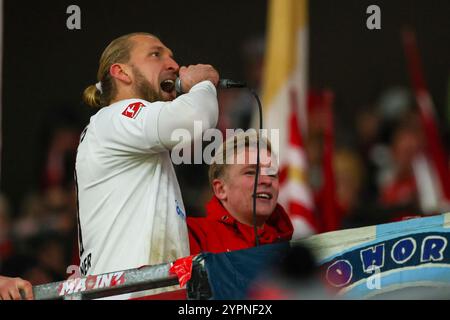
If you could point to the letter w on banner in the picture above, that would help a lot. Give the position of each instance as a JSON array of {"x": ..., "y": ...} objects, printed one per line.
[{"x": 284, "y": 97}]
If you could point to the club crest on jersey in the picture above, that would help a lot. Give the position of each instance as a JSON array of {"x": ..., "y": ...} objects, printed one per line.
[{"x": 133, "y": 110}]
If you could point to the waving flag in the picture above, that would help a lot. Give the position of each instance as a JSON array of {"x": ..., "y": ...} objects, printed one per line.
[
  {"x": 295, "y": 195},
  {"x": 437, "y": 158},
  {"x": 284, "y": 100}
]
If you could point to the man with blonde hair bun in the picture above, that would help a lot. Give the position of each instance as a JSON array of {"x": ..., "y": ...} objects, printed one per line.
[{"x": 130, "y": 208}]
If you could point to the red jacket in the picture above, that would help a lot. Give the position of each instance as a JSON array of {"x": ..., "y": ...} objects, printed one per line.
[{"x": 220, "y": 232}]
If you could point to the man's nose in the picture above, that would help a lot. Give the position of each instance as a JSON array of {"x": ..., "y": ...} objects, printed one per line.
[
  {"x": 264, "y": 179},
  {"x": 172, "y": 65}
]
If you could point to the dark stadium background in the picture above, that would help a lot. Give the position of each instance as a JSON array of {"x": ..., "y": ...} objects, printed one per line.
[{"x": 46, "y": 66}]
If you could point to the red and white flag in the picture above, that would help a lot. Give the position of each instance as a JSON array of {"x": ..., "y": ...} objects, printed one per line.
[
  {"x": 295, "y": 194},
  {"x": 284, "y": 101},
  {"x": 431, "y": 171}
]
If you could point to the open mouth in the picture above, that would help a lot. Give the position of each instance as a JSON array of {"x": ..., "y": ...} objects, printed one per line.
[
  {"x": 264, "y": 195},
  {"x": 168, "y": 85}
]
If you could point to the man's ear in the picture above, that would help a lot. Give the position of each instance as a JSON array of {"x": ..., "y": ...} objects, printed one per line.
[
  {"x": 121, "y": 72},
  {"x": 219, "y": 189}
]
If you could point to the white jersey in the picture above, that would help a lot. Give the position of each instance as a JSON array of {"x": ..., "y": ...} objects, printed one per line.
[{"x": 130, "y": 208}]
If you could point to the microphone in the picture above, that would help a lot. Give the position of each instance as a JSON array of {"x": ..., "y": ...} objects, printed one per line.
[{"x": 223, "y": 84}]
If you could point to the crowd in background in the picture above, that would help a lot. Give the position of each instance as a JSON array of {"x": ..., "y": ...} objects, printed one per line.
[
  {"x": 38, "y": 242},
  {"x": 374, "y": 167}
]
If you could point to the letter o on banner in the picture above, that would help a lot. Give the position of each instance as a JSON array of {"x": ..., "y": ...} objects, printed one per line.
[
  {"x": 339, "y": 273},
  {"x": 403, "y": 250}
]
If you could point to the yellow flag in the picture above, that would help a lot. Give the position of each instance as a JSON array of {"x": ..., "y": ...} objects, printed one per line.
[
  {"x": 285, "y": 65},
  {"x": 284, "y": 100}
]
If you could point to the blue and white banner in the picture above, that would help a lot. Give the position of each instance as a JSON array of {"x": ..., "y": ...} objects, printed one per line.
[{"x": 388, "y": 260}]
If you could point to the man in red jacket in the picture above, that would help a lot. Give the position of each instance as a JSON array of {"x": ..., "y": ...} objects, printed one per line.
[{"x": 228, "y": 225}]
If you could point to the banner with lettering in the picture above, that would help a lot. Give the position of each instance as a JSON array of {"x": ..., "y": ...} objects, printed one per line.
[{"x": 388, "y": 260}]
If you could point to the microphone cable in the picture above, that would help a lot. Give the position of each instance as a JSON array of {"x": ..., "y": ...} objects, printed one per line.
[
  {"x": 225, "y": 84},
  {"x": 255, "y": 95}
]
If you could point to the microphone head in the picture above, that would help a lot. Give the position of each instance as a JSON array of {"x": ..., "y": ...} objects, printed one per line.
[
  {"x": 227, "y": 83},
  {"x": 178, "y": 86},
  {"x": 223, "y": 84}
]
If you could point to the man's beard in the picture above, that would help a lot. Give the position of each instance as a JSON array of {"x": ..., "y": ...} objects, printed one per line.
[{"x": 143, "y": 88}]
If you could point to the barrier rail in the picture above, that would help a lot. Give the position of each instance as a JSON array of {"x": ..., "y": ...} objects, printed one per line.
[
  {"x": 107, "y": 284},
  {"x": 375, "y": 262}
]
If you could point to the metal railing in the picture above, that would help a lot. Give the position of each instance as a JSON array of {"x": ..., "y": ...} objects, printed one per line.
[{"x": 107, "y": 284}]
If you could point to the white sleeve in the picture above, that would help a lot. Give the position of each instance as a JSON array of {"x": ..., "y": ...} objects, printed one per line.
[
  {"x": 148, "y": 127},
  {"x": 199, "y": 105}
]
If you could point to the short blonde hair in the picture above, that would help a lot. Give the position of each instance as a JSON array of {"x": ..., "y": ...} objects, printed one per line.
[
  {"x": 231, "y": 147},
  {"x": 118, "y": 51}
]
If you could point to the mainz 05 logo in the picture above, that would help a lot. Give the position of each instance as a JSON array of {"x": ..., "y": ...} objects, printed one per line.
[{"x": 78, "y": 285}]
